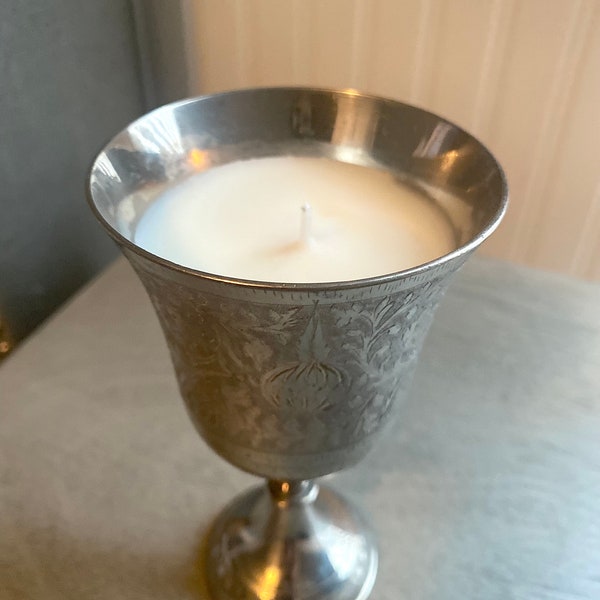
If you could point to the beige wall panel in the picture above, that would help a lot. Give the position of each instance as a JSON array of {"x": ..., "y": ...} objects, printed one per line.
[{"x": 568, "y": 203}]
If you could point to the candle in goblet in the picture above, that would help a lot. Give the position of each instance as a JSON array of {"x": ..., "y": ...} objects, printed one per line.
[{"x": 295, "y": 219}]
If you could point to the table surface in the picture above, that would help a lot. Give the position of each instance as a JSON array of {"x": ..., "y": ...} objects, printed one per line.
[{"x": 487, "y": 487}]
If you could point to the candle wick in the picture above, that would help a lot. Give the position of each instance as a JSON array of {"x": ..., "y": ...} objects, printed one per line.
[{"x": 306, "y": 224}]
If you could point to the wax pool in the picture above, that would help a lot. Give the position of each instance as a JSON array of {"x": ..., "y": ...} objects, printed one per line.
[{"x": 296, "y": 220}]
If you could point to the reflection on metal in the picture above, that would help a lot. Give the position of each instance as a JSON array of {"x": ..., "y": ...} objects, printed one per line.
[
  {"x": 6, "y": 341},
  {"x": 198, "y": 159},
  {"x": 266, "y": 588},
  {"x": 432, "y": 146}
]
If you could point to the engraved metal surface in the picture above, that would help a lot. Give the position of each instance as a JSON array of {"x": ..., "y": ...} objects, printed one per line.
[{"x": 292, "y": 390}]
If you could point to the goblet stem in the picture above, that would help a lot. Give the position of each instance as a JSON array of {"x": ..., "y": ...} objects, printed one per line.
[{"x": 291, "y": 540}]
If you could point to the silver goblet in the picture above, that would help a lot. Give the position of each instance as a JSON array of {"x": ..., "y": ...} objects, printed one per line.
[{"x": 294, "y": 381}]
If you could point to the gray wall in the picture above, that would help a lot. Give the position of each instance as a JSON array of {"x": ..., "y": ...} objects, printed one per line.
[
  {"x": 161, "y": 38},
  {"x": 69, "y": 80}
]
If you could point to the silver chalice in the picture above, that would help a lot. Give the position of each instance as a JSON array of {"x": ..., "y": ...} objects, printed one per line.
[{"x": 290, "y": 381}]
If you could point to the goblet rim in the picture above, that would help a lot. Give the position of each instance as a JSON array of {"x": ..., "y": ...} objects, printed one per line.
[{"x": 414, "y": 273}]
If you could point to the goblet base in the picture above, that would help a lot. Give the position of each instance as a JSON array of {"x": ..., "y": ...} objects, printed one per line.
[{"x": 292, "y": 541}]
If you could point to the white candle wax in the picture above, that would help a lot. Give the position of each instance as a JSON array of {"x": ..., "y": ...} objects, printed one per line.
[{"x": 295, "y": 219}]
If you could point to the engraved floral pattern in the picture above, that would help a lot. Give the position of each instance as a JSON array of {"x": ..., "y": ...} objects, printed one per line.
[{"x": 296, "y": 379}]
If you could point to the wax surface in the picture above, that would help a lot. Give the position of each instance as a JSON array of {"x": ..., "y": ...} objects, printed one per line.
[{"x": 244, "y": 219}]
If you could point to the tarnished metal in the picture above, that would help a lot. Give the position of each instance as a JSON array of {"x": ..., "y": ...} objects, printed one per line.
[{"x": 293, "y": 381}]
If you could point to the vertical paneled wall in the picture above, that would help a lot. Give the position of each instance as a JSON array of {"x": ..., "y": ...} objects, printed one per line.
[{"x": 523, "y": 75}]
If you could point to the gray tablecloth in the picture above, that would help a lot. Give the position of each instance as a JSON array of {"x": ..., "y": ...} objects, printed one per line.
[{"x": 488, "y": 487}]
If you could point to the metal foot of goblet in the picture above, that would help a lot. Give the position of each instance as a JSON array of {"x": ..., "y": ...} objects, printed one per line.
[
  {"x": 294, "y": 381},
  {"x": 291, "y": 539}
]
